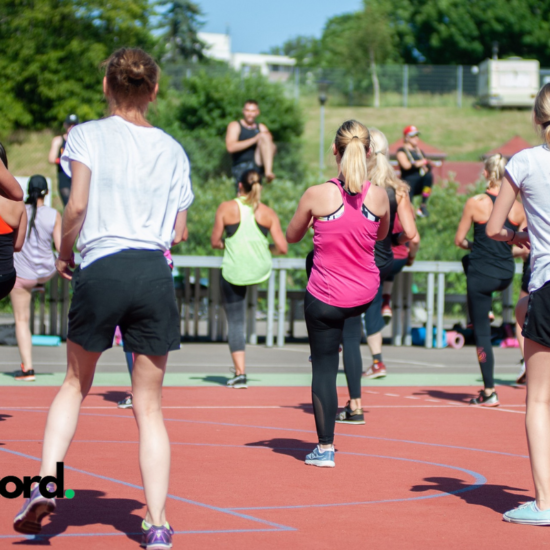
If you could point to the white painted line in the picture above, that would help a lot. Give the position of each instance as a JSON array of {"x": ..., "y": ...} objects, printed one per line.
[
  {"x": 392, "y": 395},
  {"x": 434, "y": 400},
  {"x": 411, "y": 397}
]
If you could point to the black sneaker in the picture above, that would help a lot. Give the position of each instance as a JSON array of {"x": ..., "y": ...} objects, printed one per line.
[
  {"x": 486, "y": 400},
  {"x": 25, "y": 375},
  {"x": 237, "y": 382},
  {"x": 422, "y": 211},
  {"x": 126, "y": 403},
  {"x": 347, "y": 416}
]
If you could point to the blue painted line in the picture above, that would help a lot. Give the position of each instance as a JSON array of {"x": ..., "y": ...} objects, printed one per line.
[
  {"x": 173, "y": 497},
  {"x": 47, "y": 537},
  {"x": 457, "y": 447}
]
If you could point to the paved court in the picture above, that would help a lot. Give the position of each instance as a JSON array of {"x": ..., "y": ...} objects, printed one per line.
[{"x": 208, "y": 364}]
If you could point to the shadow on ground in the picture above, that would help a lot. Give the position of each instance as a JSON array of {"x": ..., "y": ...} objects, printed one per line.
[
  {"x": 499, "y": 498},
  {"x": 112, "y": 396},
  {"x": 89, "y": 508},
  {"x": 4, "y": 417},
  {"x": 447, "y": 395},
  {"x": 295, "y": 448},
  {"x": 212, "y": 379}
]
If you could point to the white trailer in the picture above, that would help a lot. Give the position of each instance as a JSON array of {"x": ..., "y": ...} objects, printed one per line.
[{"x": 510, "y": 82}]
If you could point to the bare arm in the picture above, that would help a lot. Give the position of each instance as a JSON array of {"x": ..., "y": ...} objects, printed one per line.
[
  {"x": 73, "y": 217},
  {"x": 21, "y": 231},
  {"x": 406, "y": 164},
  {"x": 464, "y": 226},
  {"x": 54, "y": 149},
  {"x": 495, "y": 226},
  {"x": 281, "y": 246},
  {"x": 301, "y": 220},
  {"x": 232, "y": 143},
  {"x": 180, "y": 227},
  {"x": 217, "y": 231},
  {"x": 9, "y": 187},
  {"x": 406, "y": 217},
  {"x": 57, "y": 232}
]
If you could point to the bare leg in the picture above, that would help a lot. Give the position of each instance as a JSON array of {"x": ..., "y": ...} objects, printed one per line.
[
  {"x": 21, "y": 302},
  {"x": 387, "y": 288},
  {"x": 375, "y": 343},
  {"x": 154, "y": 446},
  {"x": 521, "y": 310},
  {"x": 265, "y": 151},
  {"x": 63, "y": 414},
  {"x": 238, "y": 361},
  {"x": 537, "y": 420}
]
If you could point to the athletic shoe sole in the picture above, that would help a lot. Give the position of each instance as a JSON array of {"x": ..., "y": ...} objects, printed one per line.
[
  {"x": 358, "y": 422},
  {"x": 25, "y": 378},
  {"x": 238, "y": 386},
  {"x": 29, "y": 522},
  {"x": 521, "y": 379},
  {"x": 376, "y": 375},
  {"x": 321, "y": 463},
  {"x": 526, "y": 521}
]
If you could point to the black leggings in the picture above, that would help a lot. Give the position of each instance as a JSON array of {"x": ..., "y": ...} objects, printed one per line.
[
  {"x": 420, "y": 185},
  {"x": 480, "y": 290},
  {"x": 234, "y": 303},
  {"x": 325, "y": 325}
]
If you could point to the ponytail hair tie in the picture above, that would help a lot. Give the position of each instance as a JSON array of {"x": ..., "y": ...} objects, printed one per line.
[{"x": 545, "y": 124}]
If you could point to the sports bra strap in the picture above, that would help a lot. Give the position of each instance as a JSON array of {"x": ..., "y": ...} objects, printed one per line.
[{"x": 364, "y": 191}]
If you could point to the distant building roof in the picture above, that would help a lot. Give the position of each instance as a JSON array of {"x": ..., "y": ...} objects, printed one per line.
[
  {"x": 429, "y": 150},
  {"x": 510, "y": 148}
]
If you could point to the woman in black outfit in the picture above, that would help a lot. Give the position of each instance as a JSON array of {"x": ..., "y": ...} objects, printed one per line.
[
  {"x": 489, "y": 267},
  {"x": 13, "y": 216},
  {"x": 415, "y": 169}
]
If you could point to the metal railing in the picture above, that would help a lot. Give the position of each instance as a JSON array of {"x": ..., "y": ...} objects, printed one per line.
[{"x": 202, "y": 298}]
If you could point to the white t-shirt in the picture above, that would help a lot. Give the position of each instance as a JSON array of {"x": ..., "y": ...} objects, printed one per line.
[
  {"x": 530, "y": 171},
  {"x": 140, "y": 181}
]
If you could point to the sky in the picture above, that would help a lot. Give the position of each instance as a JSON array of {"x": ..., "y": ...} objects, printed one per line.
[{"x": 256, "y": 25}]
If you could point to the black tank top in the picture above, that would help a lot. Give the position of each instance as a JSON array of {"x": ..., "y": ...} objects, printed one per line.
[
  {"x": 383, "y": 253},
  {"x": 413, "y": 170},
  {"x": 246, "y": 155},
  {"x": 61, "y": 149},
  {"x": 489, "y": 257},
  {"x": 6, "y": 248}
]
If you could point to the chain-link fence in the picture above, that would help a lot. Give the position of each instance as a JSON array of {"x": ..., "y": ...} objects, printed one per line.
[{"x": 398, "y": 85}]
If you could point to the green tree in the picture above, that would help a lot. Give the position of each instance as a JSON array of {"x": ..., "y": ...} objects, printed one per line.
[
  {"x": 306, "y": 50},
  {"x": 50, "y": 52},
  {"x": 181, "y": 21}
]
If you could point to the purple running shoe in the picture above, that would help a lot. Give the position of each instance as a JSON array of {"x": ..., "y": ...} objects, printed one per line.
[
  {"x": 35, "y": 509},
  {"x": 156, "y": 538}
]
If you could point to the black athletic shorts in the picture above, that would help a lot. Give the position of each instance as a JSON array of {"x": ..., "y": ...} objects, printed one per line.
[
  {"x": 537, "y": 320},
  {"x": 526, "y": 277},
  {"x": 239, "y": 169},
  {"x": 132, "y": 289},
  {"x": 7, "y": 281}
]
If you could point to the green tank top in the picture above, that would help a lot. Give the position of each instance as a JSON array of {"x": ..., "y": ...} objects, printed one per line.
[{"x": 247, "y": 259}]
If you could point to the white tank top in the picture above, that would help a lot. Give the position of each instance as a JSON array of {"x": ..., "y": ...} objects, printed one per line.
[{"x": 36, "y": 259}]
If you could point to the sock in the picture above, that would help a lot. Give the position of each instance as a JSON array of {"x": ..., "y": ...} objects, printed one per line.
[
  {"x": 147, "y": 526},
  {"x": 386, "y": 298},
  {"x": 377, "y": 358}
]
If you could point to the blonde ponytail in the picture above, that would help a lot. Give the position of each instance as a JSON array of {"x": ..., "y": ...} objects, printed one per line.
[
  {"x": 494, "y": 166},
  {"x": 381, "y": 172},
  {"x": 251, "y": 182},
  {"x": 352, "y": 141},
  {"x": 541, "y": 110}
]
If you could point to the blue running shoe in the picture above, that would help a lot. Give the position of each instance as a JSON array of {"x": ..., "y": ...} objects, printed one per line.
[
  {"x": 528, "y": 514},
  {"x": 35, "y": 509},
  {"x": 156, "y": 538},
  {"x": 321, "y": 458}
]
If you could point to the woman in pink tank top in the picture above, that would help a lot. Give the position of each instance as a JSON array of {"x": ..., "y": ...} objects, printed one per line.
[{"x": 348, "y": 216}]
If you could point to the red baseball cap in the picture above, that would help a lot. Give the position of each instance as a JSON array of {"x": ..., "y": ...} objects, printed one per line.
[{"x": 411, "y": 131}]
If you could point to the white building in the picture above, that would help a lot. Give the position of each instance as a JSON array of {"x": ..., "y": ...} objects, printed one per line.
[{"x": 275, "y": 67}]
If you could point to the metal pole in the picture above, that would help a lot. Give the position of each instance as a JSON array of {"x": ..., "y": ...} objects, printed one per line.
[
  {"x": 282, "y": 308},
  {"x": 270, "y": 309},
  {"x": 405, "y": 85},
  {"x": 322, "y": 142},
  {"x": 397, "y": 306},
  {"x": 407, "y": 283},
  {"x": 430, "y": 308},
  {"x": 459, "y": 78},
  {"x": 440, "y": 309}
]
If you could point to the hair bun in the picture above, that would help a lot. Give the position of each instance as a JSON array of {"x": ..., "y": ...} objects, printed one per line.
[{"x": 136, "y": 71}]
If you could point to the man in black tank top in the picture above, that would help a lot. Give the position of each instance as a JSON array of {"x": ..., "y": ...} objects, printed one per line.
[
  {"x": 250, "y": 144},
  {"x": 54, "y": 156}
]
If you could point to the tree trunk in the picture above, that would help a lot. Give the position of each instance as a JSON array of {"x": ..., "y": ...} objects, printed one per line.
[{"x": 375, "y": 82}]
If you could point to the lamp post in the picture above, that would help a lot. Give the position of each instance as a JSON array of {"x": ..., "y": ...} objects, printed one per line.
[{"x": 323, "y": 89}]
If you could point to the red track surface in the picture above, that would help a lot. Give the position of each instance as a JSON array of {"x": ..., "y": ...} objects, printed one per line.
[{"x": 246, "y": 452}]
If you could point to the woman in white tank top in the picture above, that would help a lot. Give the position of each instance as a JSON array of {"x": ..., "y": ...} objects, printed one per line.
[{"x": 34, "y": 264}]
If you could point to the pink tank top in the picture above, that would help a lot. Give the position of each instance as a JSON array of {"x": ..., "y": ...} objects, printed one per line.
[{"x": 344, "y": 273}]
